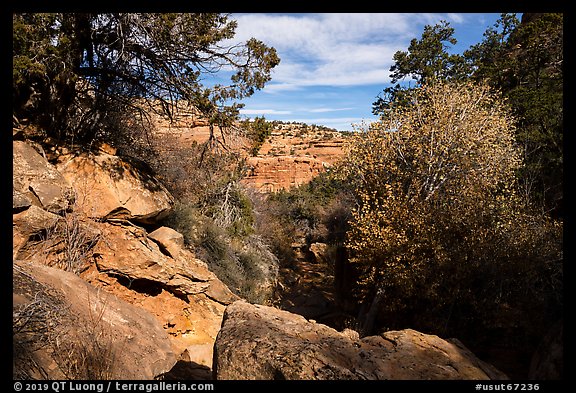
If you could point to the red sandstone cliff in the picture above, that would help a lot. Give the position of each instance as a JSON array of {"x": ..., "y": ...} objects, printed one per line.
[{"x": 290, "y": 157}]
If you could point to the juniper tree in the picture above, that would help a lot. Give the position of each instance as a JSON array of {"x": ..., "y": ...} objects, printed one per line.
[{"x": 86, "y": 76}]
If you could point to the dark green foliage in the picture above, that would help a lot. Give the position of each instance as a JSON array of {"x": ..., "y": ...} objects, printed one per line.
[
  {"x": 490, "y": 57},
  {"x": 83, "y": 76},
  {"x": 521, "y": 59},
  {"x": 43, "y": 76},
  {"x": 257, "y": 130},
  {"x": 313, "y": 207},
  {"x": 426, "y": 60},
  {"x": 244, "y": 264},
  {"x": 232, "y": 209},
  {"x": 525, "y": 61}
]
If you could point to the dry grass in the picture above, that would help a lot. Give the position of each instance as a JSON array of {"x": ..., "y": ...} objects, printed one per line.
[
  {"x": 67, "y": 245},
  {"x": 51, "y": 343},
  {"x": 88, "y": 353},
  {"x": 33, "y": 326},
  {"x": 74, "y": 240}
]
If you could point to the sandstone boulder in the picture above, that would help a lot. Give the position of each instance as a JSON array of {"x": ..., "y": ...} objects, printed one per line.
[
  {"x": 36, "y": 181},
  {"x": 19, "y": 201},
  {"x": 260, "y": 342},
  {"x": 169, "y": 240},
  {"x": 130, "y": 253},
  {"x": 191, "y": 322},
  {"x": 64, "y": 328},
  {"x": 320, "y": 252},
  {"x": 110, "y": 187},
  {"x": 34, "y": 220},
  {"x": 28, "y": 223}
]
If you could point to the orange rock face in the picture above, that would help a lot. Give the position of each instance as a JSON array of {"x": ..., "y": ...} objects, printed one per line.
[
  {"x": 270, "y": 174},
  {"x": 290, "y": 157}
]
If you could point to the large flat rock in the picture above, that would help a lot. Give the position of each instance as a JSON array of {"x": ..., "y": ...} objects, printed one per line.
[
  {"x": 66, "y": 328},
  {"x": 264, "y": 343}
]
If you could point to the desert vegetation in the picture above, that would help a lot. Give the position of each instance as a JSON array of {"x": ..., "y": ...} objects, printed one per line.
[
  {"x": 440, "y": 238},
  {"x": 445, "y": 215},
  {"x": 447, "y": 226},
  {"x": 83, "y": 348}
]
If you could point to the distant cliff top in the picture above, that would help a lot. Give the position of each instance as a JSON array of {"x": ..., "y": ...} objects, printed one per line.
[{"x": 291, "y": 156}]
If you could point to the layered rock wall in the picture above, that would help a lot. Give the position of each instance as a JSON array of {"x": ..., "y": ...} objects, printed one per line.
[
  {"x": 288, "y": 158},
  {"x": 271, "y": 174}
]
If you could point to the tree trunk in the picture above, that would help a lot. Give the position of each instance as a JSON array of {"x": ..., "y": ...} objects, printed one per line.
[{"x": 367, "y": 326}]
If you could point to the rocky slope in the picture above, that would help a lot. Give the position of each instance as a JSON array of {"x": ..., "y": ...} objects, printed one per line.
[
  {"x": 96, "y": 215},
  {"x": 67, "y": 328},
  {"x": 102, "y": 290}
]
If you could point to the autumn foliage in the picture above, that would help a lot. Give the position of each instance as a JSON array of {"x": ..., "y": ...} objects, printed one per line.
[{"x": 439, "y": 238}]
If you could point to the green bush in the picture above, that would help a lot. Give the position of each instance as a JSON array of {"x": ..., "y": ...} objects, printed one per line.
[
  {"x": 314, "y": 209},
  {"x": 244, "y": 264},
  {"x": 257, "y": 131}
]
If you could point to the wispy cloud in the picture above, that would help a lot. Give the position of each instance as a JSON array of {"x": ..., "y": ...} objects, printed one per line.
[
  {"x": 336, "y": 64},
  {"x": 456, "y": 18},
  {"x": 333, "y": 49},
  {"x": 254, "y": 111},
  {"x": 323, "y": 110}
]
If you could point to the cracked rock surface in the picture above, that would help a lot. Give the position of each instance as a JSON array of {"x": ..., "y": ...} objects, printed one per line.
[{"x": 261, "y": 342}]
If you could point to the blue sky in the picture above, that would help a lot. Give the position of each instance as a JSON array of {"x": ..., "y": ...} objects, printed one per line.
[{"x": 333, "y": 66}]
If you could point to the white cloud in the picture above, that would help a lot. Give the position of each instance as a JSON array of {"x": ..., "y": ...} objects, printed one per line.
[
  {"x": 340, "y": 49},
  {"x": 333, "y": 64},
  {"x": 253, "y": 111},
  {"x": 456, "y": 18},
  {"x": 274, "y": 87}
]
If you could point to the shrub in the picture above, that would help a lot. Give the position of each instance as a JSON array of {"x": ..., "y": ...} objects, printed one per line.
[
  {"x": 257, "y": 132},
  {"x": 312, "y": 210},
  {"x": 81, "y": 348},
  {"x": 77, "y": 239},
  {"x": 67, "y": 245},
  {"x": 272, "y": 223},
  {"x": 73, "y": 82},
  {"x": 440, "y": 233},
  {"x": 244, "y": 263}
]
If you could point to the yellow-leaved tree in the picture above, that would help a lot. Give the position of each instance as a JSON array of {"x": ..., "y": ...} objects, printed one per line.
[{"x": 439, "y": 239}]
